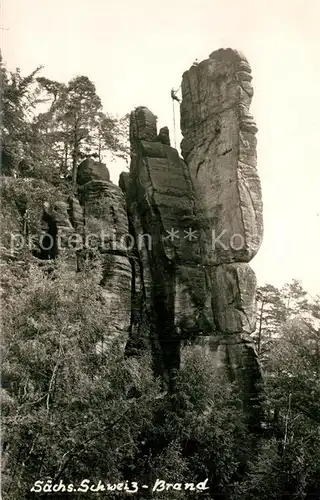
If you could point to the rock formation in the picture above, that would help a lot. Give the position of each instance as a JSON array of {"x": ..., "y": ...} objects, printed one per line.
[
  {"x": 105, "y": 233},
  {"x": 162, "y": 209},
  {"x": 90, "y": 170},
  {"x": 219, "y": 147},
  {"x": 175, "y": 239},
  {"x": 204, "y": 219},
  {"x": 94, "y": 226}
]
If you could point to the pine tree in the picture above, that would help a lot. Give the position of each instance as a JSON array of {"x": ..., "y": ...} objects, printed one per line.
[
  {"x": 271, "y": 314},
  {"x": 75, "y": 126}
]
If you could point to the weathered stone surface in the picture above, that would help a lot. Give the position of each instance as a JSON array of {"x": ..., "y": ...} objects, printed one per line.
[
  {"x": 90, "y": 170},
  {"x": 162, "y": 205},
  {"x": 60, "y": 212},
  {"x": 141, "y": 282},
  {"x": 116, "y": 296},
  {"x": 106, "y": 235},
  {"x": 105, "y": 215},
  {"x": 76, "y": 214},
  {"x": 57, "y": 232},
  {"x": 219, "y": 146},
  {"x": 164, "y": 183},
  {"x": 143, "y": 126},
  {"x": 163, "y": 136},
  {"x": 233, "y": 297}
]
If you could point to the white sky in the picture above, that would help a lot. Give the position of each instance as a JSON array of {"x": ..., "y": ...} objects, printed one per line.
[{"x": 136, "y": 51}]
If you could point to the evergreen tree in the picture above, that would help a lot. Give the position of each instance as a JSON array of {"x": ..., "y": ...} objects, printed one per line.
[
  {"x": 75, "y": 126},
  {"x": 271, "y": 313}
]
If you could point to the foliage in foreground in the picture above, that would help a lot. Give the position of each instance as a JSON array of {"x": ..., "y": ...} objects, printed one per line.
[
  {"x": 67, "y": 404},
  {"x": 71, "y": 412}
]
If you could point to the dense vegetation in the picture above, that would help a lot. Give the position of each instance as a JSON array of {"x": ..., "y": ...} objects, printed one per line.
[{"x": 72, "y": 411}]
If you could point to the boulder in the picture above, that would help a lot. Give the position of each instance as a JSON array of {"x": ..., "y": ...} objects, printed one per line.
[{"x": 90, "y": 170}]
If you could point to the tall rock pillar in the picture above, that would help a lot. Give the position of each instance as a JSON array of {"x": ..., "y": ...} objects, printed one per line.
[{"x": 219, "y": 147}]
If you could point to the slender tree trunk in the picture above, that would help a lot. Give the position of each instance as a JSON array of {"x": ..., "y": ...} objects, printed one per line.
[
  {"x": 75, "y": 159},
  {"x": 76, "y": 137},
  {"x": 74, "y": 168},
  {"x": 66, "y": 153},
  {"x": 66, "y": 149},
  {"x": 287, "y": 422},
  {"x": 260, "y": 327}
]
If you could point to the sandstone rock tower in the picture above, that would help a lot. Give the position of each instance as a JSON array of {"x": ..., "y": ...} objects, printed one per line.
[{"x": 203, "y": 215}]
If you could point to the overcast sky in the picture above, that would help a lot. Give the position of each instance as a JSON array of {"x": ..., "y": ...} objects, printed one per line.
[{"x": 136, "y": 51}]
